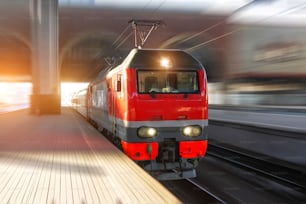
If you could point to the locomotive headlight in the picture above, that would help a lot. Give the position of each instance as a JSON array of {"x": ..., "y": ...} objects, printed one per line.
[
  {"x": 165, "y": 62},
  {"x": 192, "y": 131},
  {"x": 147, "y": 132}
]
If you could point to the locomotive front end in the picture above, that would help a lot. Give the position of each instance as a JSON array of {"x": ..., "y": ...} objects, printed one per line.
[{"x": 167, "y": 113}]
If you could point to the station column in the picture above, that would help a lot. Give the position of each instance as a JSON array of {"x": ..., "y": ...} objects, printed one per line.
[{"x": 45, "y": 98}]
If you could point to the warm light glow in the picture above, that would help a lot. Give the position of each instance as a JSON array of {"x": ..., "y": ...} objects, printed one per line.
[
  {"x": 187, "y": 131},
  {"x": 165, "y": 62},
  {"x": 192, "y": 131},
  {"x": 152, "y": 132},
  {"x": 147, "y": 132},
  {"x": 68, "y": 89},
  {"x": 14, "y": 96},
  {"x": 13, "y": 93}
]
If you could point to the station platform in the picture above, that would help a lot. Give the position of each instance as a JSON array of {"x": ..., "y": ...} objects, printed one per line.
[
  {"x": 63, "y": 159},
  {"x": 278, "y": 118},
  {"x": 288, "y": 148}
]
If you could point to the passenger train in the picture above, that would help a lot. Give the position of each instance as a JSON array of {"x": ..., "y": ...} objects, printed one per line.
[{"x": 154, "y": 106}]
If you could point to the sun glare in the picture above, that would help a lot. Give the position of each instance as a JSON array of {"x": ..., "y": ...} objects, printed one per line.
[
  {"x": 68, "y": 89},
  {"x": 18, "y": 94},
  {"x": 14, "y": 95}
]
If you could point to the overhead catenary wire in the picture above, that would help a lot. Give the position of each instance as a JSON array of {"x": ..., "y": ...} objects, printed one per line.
[
  {"x": 212, "y": 27},
  {"x": 206, "y": 29},
  {"x": 211, "y": 40},
  {"x": 124, "y": 40},
  {"x": 121, "y": 34},
  {"x": 231, "y": 32},
  {"x": 201, "y": 32}
]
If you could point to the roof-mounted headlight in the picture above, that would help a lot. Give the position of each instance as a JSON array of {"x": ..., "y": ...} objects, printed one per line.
[
  {"x": 165, "y": 63},
  {"x": 147, "y": 132},
  {"x": 192, "y": 131}
]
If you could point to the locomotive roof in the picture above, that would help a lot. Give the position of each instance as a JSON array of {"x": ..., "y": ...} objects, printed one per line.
[{"x": 151, "y": 58}]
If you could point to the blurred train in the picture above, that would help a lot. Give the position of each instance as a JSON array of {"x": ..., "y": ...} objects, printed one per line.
[{"x": 154, "y": 106}]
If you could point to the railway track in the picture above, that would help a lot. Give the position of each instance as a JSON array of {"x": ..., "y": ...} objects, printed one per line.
[
  {"x": 260, "y": 158},
  {"x": 268, "y": 160},
  {"x": 189, "y": 191},
  {"x": 283, "y": 177}
]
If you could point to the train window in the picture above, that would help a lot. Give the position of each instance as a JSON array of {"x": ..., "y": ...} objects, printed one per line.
[
  {"x": 118, "y": 83},
  {"x": 167, "y": 82}
]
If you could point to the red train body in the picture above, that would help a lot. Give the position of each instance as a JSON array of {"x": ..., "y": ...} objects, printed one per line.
[{"x": 155, "y": 106}]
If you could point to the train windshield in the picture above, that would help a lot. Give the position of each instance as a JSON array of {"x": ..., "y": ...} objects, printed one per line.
[{"x": 167, "y": 82}]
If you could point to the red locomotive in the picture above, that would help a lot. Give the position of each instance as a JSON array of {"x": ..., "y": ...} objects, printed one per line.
[{"x": 154, "y": 105}]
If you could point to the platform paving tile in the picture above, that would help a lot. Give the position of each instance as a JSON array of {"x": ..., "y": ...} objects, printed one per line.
[{"x": 62, "y": 159}]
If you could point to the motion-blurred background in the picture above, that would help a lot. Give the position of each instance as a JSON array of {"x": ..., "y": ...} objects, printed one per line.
[{"x": 254, "y": 52}]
